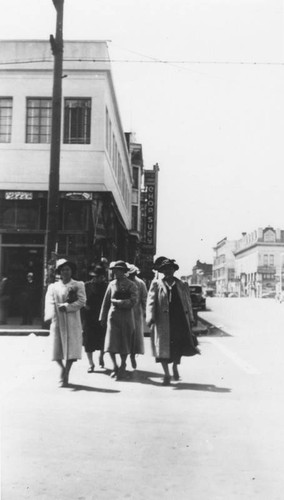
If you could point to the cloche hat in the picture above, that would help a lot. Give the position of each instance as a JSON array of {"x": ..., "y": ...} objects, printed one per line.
[
  {"x": 62, "y": 262},
  {"x": 119, "y": 264}
]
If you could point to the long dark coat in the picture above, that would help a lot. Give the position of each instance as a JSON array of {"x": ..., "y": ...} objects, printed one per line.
[
  {"x": 93, "y": 332},
  {"x": 158, "y": 313}
]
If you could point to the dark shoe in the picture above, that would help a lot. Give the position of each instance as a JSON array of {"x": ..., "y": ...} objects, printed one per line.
[
  {"x": 122, "y": 371},
  {"x": 176, "y": 373},
  {"x": 167, "y": 380},
  {"x": 91, "y": 369},
  {"x": 133, "y": 361}
]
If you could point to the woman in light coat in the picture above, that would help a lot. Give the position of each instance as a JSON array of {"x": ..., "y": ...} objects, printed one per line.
[
  {"x": 117, "y": 315},
  {"x": 63, "y": 302},
  {"x": 170, "y": 315},
  {"x": 139, "y": 315}
]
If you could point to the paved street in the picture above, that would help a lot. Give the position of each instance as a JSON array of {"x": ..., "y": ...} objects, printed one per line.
[{"x": 218, "y": 433}]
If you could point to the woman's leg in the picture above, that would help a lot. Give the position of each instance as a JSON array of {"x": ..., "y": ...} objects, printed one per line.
[
  {"x": 101, "y": 359},
  {"x": 133, "y": 361},
  {"x": 69, "y": 363},
  {"x": 167, "y": 377},
  {"x": 62, "y": 372},
  {"x": 123, "y": 358},
  {"x": 91, "y": 362},
  {"x": 115, "y": 367},
  {"x": 175, "y": 371}
]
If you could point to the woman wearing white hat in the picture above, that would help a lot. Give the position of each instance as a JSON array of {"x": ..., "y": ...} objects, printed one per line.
[
  {"x": 117, "y": 315},
  {"x": 63, "y": 302}
]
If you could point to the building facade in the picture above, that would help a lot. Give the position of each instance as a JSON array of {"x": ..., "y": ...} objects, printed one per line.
[
  {"x": 224, "y": 268},
  {"x": 96, "y": 198},
  {"x": 259, "y": 262}
]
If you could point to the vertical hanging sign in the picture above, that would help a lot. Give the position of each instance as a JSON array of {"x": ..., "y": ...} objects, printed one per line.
[{"x": 150, "y": 229}]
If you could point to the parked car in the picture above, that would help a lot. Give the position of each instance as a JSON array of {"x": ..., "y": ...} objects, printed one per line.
[{"x": 198, "y": 298}]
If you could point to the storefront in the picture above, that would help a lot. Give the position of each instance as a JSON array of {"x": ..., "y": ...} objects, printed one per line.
[{"x": 89, "y": 228}]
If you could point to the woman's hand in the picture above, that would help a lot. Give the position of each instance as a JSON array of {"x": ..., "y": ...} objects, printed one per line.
[{"x": 62, "y": 308}]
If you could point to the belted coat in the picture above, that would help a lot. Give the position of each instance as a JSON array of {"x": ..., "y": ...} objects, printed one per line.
[{"x": 157, "y": 314}]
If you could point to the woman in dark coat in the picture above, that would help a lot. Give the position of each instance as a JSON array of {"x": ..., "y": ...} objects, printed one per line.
[
  {"x": 93, "y": 332},
  {"x": 170, "y": 315}
]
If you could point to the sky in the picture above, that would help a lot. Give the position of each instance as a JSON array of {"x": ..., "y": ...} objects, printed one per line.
[{"x": 201, "y": 85}]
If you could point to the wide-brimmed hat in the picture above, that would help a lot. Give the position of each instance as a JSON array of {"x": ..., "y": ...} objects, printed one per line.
[
  {"x": 62, "y": 262},
  {"x": 96, "y": 271},
  {"x": 167, "y": 263},
  {"x": 119, "y": 264},
  {"x": 157, "y": 262}
]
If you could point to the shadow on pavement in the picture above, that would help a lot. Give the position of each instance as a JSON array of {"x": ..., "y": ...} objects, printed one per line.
[
  {"x": 201, "y": 387},
  {"x": 79, "y": 387}
]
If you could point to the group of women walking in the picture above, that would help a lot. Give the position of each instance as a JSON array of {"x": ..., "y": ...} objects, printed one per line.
[{"x": 109, "y": 317}]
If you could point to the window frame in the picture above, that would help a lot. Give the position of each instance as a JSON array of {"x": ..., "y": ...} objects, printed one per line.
[{"x": 6, "y": 120}]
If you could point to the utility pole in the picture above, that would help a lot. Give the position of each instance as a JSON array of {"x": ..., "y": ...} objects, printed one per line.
[{"x": 53, "y": 191}]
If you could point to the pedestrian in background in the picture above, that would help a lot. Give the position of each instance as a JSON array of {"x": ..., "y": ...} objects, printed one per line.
[
  {"x": 170, "y": 315},
  {"x": 29, "y": 300},
  {"x": 63, "y": 302},
  {"x": 117, "y": 315},
  {"x": 93, "y": 332},
  {"x": 139, "y": 310}
]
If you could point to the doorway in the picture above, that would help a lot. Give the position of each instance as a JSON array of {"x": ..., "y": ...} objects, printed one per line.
[{"x": 17, "y": 262}]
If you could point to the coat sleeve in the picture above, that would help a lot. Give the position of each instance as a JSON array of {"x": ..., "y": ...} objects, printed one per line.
[
  {"x": 105, "y": 305},
  {"x": 49, "y": 310},
  {"x": 151, "y": 303},
  {"x": 127, "y": 303},
  {"x": 188, "y": 303},
  {"x": 143, "y": 296},
  {"x": 81, "y": 299}
]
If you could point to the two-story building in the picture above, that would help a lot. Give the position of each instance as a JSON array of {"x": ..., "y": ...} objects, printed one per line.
[
  {"x": 259, "y": 261},
  {"x": 95, "y": 211}
]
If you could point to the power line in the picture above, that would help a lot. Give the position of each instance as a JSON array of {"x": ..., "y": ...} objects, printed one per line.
[{"x": 150, "y": 61}]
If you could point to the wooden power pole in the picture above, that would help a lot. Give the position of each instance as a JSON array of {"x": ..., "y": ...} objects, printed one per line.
[{"x": 53, "y": 190}]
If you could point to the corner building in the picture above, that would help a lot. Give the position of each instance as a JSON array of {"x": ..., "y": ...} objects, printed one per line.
[{"x": 95, "y": 168}]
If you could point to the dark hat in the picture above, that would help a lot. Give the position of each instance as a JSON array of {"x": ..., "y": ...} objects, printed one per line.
[
  {"x": 96, "y": 271},
  {"x": 166, "y": 263},
  {"x": 119, "y": 264},
  {"x": 158, "y": 262},
  {"x": 62, "y": 262}
]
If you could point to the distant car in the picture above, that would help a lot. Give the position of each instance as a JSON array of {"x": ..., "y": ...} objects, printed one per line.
[
  {"x": 198, "y": 298},
  {"x": 233, "y": 294},
  {"x": 209, "y": 292}
]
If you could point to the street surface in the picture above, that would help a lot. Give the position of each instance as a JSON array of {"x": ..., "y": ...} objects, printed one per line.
[{"x": 217, "y": 434}]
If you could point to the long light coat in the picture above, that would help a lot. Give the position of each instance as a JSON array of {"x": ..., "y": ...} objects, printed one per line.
[
  {"x": 118, "y": 315},
  {"x": 66, "y": 326},
  {"x": 139, "y": 314},
  {"x": 157, "y": 313}
]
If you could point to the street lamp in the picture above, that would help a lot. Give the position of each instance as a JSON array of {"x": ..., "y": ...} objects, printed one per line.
[{"x": 53, "y": 190}]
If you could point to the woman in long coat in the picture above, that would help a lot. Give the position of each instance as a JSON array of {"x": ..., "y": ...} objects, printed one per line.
[
  {"x": 63, "y": 302},
  {"x": 139, "y": 315},
  {"x": 117, "y": 314},
  {"x": 170, "y": 315},
  {"x": 93, "y": 332}
]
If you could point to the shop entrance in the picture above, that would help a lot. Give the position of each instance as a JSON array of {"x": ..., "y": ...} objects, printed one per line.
[{"x": 25, "y": 293}]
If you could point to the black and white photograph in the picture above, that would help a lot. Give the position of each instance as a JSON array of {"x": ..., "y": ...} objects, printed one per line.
[{"x": 142, "y": 249}]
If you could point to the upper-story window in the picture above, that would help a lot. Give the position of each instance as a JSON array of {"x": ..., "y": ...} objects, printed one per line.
[
  {"x": 5, "y": 119},
  {"x": 135, "y": 172},
  {"x": 77, "y": 121},
  {"x": 39, "y": 115}
]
